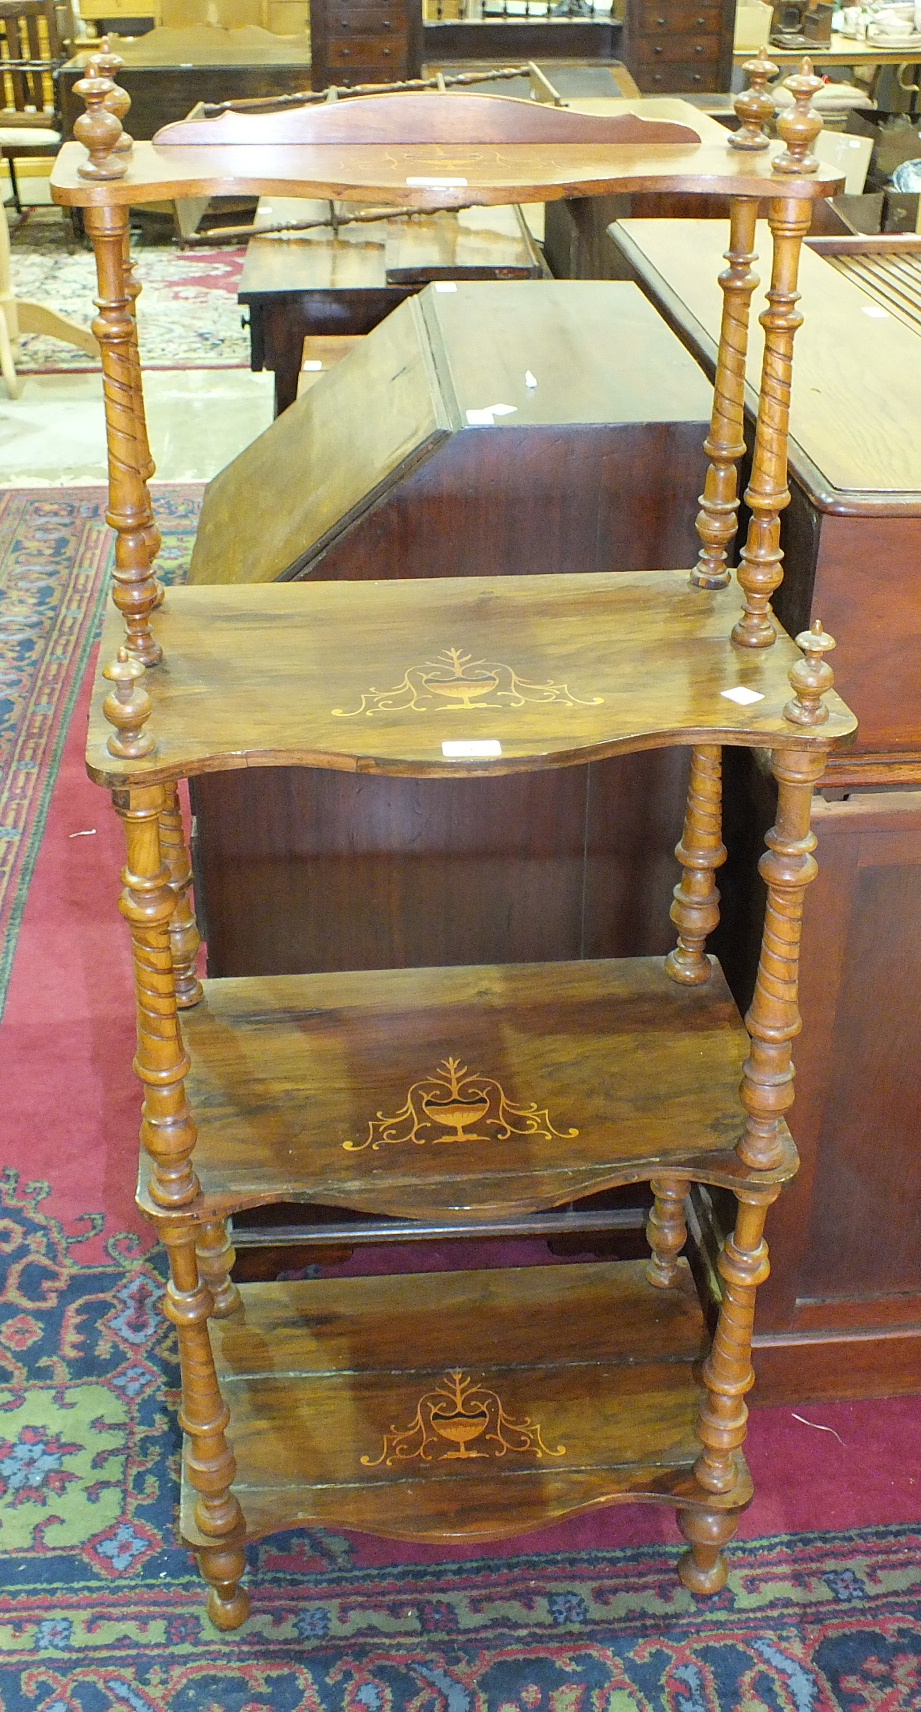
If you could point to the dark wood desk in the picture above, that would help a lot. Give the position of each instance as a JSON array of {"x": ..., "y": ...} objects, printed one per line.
[
  {"x": 329, "y": 284},
  {"x": 168, "y": 71}
]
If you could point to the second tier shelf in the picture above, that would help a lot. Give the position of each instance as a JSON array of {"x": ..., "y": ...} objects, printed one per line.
[
  {"x": 416, "y": 677},
  {"x": 468, "y": 1091}
]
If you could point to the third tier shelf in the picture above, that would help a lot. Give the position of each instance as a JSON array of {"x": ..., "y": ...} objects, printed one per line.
[{"x": 462, "y": 1405}]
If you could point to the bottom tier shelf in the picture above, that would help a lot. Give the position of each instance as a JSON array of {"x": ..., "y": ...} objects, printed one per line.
[{"x": 447, "y": 1406}]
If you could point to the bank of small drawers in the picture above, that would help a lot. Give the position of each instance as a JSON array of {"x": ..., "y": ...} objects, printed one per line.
[
  {"x": 366, "y": 43},
  {"x": 673, "y": 45}
]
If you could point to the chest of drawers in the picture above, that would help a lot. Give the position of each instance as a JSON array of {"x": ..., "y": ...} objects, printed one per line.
[
  {"x": 673, "y": 46},
  {"x": 355, "y": 42}
]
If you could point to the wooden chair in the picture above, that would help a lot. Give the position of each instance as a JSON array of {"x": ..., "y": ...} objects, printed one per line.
[
  {"x": 18, "y": 316},
  {"x": 31, "y": 53}
]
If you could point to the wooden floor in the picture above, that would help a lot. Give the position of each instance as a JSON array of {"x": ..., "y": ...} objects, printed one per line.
[{"x": 385, "y": 1404}]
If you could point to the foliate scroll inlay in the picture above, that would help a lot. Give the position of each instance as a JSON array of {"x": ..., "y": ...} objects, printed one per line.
[
  {"x": 451, "y": 1418},
  {"x": 455, "y": 1105},
  {"x": 456, "y": 679}
]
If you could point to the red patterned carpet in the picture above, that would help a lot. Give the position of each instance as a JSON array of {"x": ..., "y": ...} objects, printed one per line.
[{"x": 98, "y": 1607}]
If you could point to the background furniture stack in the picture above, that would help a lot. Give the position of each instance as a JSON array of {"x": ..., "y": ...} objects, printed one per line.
[{"x": 460, "y": 1404}]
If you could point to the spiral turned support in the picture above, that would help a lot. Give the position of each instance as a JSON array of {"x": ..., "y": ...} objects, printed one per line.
[
  {"x": 717, "y": 519},
  {"x": 767, "y": 494},
  {"x": 204, "y": 1418},
  {"x": 130, "y": 513},
  {"x": 773, "y": 1020},
  {"x": 162, "y": 1063}
]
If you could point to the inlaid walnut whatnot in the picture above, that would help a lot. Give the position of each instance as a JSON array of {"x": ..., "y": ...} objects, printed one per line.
[{"x": 468, "y": 1405}]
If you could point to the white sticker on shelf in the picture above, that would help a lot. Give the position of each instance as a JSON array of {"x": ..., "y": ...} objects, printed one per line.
[
  {"x": 742, "y": 696},
  {"x": 875, "y": 313},
  {"x": 437, "y": 183},
  {"x": 445, "y": 285},
  {"x": 530, "y": 380},
  {"x": 477, "y": 749},
  {"x": 486, "y": 416},
  {"x": 312, "y": 367}
]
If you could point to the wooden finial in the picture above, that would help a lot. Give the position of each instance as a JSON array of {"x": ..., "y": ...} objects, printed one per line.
[
  {"x": 127, "y": 707},
  {"x": 755, "y": 105},
  {"x": 799, "y": 125},
  {"x": 811, "y": 677},
  {"x": 99, "y": 130},
  {"x": 105, "y": 63}
]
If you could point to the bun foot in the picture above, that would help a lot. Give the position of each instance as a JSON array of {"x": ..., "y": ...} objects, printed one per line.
[
  {"x": 702, "y": 1570},
  {"x": 228, "y": 1602},
  {"x": 228, "y": 1613}
]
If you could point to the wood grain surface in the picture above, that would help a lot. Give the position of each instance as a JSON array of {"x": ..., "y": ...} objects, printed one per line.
[
  {"x": 347, "y": 1089},
  {"x": 425, "y": 117},
  {"x": 536, "y": 488},
  {"x": 322, "y": 1375},
  {"x": 522, "y": 172},
  {"x": 308, "y": 673},
  {"x": 854, "y": 406}
]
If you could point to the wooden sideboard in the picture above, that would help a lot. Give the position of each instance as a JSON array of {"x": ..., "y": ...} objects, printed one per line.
[{"x": 841, "y": 1315}]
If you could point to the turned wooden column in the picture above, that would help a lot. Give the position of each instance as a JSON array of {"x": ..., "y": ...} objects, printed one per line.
[
  {"x": 727, "y": 1372},
  {"x": 696, "y": 907},
  {"x": 773, "y": 1019},
  {"x": 719, "y": 503},
  {"x": 130, "y": 511},
  {"x": 183, "y": 931},
  {"x": 666, "y": 1228},
  {"x": 148, "y": 903},
  {"x": 216, "y": 1255},
  {"x": 767, "y": 493},
  {"x": 204, "y": 1417}
]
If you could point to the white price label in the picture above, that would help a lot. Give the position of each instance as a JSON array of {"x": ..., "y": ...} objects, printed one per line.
[{"x": 475, "y": 750}]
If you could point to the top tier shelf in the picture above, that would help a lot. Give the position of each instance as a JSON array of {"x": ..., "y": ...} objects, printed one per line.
[
  {"x": 429, "y": 150},
  {"x": 453, "y": 676}
]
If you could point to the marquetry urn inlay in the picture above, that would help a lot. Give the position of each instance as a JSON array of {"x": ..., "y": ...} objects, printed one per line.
[
  {"x": 454, "y": 1104},
  {"x": 455, "y": 679},
  {"x": 459, "y": 1420}
]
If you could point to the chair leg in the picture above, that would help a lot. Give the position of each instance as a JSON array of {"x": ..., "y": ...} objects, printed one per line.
[
  {"x": 7, "y": 364},
  {"x": 14, "y": 183}
]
